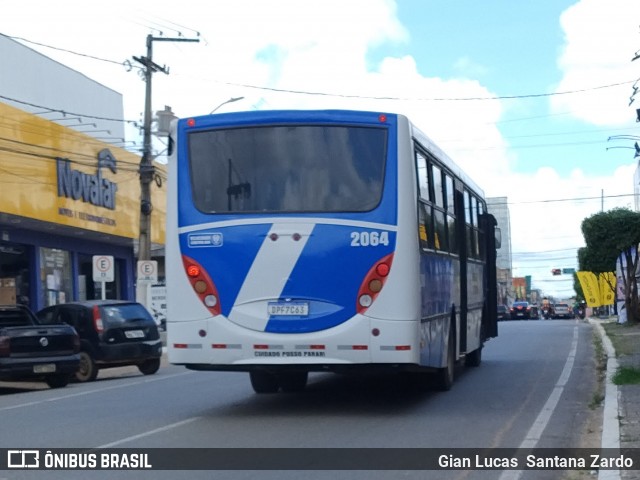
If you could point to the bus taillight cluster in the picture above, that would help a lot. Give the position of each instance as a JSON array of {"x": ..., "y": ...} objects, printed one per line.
[
  {"x": 202, "y": 285},
  {"x": 373, "y": 283}
]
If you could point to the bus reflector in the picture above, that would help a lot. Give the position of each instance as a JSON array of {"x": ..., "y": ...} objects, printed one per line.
[
  {"x": 218, "y": 345},
  {"x": 202, "y": 285},
  {"x": 373, "y": 283},
  {"x": 191, "y": 122},
  {"x": 316, "y": 347},
  {"x": 360, "y": 347},
  {"x": 180, "y": 345},
  {"x": 403, "y": 347},
  {"x": 261, "y": 347}
]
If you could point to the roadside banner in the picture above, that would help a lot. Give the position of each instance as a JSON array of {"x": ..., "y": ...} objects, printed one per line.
[
  {"x": 590, "y": 288},
  {"x": 607, "y": 281}
]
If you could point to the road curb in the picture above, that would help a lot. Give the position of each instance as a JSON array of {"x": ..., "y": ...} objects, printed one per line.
[{"x": 611, "y": 413}]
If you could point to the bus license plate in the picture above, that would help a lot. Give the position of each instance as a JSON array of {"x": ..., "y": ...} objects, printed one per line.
[
  {"x": 134, "y": 334},
  {"x": 44, "y": 368},
  {"x": 298, "y": 309}
]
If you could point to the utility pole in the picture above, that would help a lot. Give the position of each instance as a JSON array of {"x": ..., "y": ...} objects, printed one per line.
[{"x": 147, "y": 170}]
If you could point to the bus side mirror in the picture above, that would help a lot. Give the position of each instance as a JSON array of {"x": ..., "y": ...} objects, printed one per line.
[{"x": 498, "y": 234}]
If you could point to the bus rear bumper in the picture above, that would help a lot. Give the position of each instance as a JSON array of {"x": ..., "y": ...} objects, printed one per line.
[{"x": 218, "y": 344}]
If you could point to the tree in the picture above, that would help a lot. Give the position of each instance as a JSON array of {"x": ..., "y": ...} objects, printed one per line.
[{"x": 609, "y": 235}]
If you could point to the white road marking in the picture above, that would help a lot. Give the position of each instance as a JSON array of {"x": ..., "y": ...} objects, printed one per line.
[
  {"x": 535, "y": 432},
  {"x": 89, "y": 392},
  {"x": 150, "y": 432}
]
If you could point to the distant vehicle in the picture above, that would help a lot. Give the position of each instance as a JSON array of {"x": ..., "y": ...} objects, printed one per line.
[
  {"x": 503, "y": 312},
  {"x": 520, "y": 311},
  {"x": 562, "y": 310},
  {"x": 29, "y": 351},
  {"x": 113, "y": 333}
]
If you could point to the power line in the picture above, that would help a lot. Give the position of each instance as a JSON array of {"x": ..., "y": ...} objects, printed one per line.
[
  {"x": 426, "y": 99},
  {"x": 65, "y": 112},
  {"x": 125, "y": 64}
]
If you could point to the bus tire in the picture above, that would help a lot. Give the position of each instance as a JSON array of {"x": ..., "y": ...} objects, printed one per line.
[
  {"x": 264, "y": 382},
  {"x": 445, "y": 376},
  {"x": 293, "y": 381},
  {"x": 473, "y": 359}
]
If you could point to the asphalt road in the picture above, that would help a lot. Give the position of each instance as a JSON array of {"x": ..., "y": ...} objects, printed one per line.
[{"x": 533, "y": 389}]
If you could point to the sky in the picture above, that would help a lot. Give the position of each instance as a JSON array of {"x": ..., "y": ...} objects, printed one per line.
[{"x": 532, "y": 99}]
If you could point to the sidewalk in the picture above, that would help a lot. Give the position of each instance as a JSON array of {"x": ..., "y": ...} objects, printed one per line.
[{"x": 622, "y": 402}]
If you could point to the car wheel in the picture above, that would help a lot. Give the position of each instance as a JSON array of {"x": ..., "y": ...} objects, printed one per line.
[
  {"x": 57, "y": 381},
  {"x": 87, "y": 371},
  {"x": 150, "y": 367}
]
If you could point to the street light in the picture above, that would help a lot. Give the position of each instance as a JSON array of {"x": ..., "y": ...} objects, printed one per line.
[{"x": 231, "y": 100}]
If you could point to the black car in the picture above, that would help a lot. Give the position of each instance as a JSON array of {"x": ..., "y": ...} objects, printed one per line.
[
  {"x": 113, "y": 333},
  {"x": 521, "y": 311},
  {"x": 503, "y": 312},
  {"x": 30, "y": 351}
]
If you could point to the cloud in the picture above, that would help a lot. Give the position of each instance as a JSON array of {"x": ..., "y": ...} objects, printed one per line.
[
  {"x": 600, "y": 41},
  {"x": 324, "y": 46}
]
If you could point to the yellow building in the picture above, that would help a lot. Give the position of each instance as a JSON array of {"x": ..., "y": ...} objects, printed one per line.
[{"x": 66, "y": 197}]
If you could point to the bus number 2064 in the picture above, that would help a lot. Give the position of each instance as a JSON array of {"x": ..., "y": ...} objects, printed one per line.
[{"x": 369, "y": 239}]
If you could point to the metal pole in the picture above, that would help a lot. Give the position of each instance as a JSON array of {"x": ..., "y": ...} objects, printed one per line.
[{"x": 146, "y": 164}]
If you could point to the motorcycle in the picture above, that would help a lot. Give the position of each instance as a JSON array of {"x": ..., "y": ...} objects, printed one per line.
[
  {"x": 581, "y": 313},
  {"x": 546, "y": 313}
]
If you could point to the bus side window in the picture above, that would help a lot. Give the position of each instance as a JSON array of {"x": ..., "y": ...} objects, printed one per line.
[
  {"x": 481, "y": 233},
  {"x": 468, "y": 225},
  {"x": 440, "y": 227},
  {"x": 425, "y": 225},
  {"x": 451, "y": 214},
  {"x": 423, "y": 176}
]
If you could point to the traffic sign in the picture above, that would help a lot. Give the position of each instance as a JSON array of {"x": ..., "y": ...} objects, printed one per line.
[
  {"x": 148, "y": 271},
  {"x": 103, "y": 268}
]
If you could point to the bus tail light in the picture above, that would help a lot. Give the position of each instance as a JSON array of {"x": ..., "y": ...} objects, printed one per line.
[
  {"x": 202, "y": 284},
  {"x": 373, "y": 283}
]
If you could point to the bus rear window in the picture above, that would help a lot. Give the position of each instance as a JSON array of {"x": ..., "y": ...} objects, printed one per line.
[{"x": 288, "y": 168}]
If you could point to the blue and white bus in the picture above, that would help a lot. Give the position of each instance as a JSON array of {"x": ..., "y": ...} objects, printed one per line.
[{"x": 324, "y": 241}]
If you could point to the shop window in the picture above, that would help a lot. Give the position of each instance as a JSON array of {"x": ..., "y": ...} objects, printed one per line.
[{"x": 55, "y": 276}]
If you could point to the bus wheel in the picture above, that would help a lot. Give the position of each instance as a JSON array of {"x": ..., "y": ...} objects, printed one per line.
[
  {"x": 264, "y": 382},
  {"x": 293, "y": 381},
  {"x": 473, "y": 359},
  {"x": 444, "y": 376}
]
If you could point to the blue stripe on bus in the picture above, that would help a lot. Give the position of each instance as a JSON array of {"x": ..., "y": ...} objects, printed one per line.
[{"x": 328, "y": 274}]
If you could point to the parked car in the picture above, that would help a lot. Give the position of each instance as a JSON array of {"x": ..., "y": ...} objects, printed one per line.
[
  {"x": 113, "y": 333},
  {"x": 562, "y": 310},
  {"x": 521, "y": 311},
  {"x": 30, "y": 351},
  {"x": 503, "y": 312}
]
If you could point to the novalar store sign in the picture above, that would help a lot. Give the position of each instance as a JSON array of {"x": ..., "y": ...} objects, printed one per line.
[{"x": 94, "y": 189}]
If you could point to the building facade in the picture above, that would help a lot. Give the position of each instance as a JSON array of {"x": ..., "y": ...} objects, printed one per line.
[
  {"x": 499, "y": 208},
  {"x": 66, "y": 197}
]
